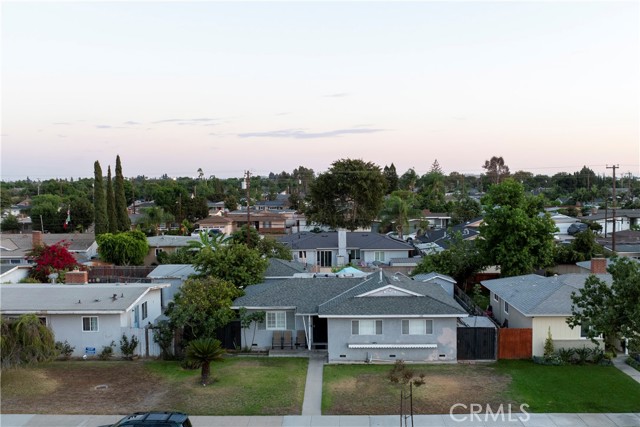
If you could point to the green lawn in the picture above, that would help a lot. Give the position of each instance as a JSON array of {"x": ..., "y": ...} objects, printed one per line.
[
  {"x": 243, "y": 386},
  {"x": 571, "y": 388}
]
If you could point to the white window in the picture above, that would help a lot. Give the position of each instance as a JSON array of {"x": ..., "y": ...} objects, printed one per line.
[
  {"x": 323, "y": 258},
  {"x": 366, "y": 327},
  {"x": 90, "y": 324},
  {"x": 417, "y": 327},
  {"x": 495, "y": 297},
  {"x": 506, "y": 307},
  {"x": 302, "y": 256},
  {"x": 379, "y": 256},
  {"x": 276, "y": 320},
  {"x": 144, "y": 310}
]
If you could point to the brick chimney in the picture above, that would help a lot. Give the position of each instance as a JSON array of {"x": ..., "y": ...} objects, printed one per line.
[
  {"x": 36, "y": 239},
  {"x": 76, "y": 277},
  {"x": 598, "y": 265}
]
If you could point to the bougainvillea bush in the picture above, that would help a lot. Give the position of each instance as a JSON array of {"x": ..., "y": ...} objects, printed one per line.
[{"x": 55, "y": 258}]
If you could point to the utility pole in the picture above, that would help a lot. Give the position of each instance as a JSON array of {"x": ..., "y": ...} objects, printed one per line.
[
  {"x": 613, "y": 235},
  {"x": 247, "y": 185}
]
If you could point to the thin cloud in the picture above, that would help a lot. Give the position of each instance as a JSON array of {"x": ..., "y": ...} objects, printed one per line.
[
  {"x": 185, "y": 121},
  {"x": 103, "y": 126},
  {"x": 130, "y": 122},
  {"x": 301, "y": 134}
]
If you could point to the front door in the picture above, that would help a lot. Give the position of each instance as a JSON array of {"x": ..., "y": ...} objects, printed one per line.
[{"x": 319, "y": 332}]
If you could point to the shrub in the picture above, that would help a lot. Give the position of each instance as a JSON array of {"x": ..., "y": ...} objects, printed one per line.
[
  {"x": 64, "y": 349},
  {"x": 583, "y": 355},
  {"x": 107, "y": 351},
  {"x": 548, "y": 345},
  {"x": 566, "y": 354},
  {"x": 128, "y": 346},
  {"x": 633, "y": 363}
]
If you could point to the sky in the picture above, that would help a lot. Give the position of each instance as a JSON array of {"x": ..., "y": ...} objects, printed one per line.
[{"x": 229, "y": 87}]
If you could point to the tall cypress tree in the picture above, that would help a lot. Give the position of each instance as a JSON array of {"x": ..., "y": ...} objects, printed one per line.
[
  {"x": 101, "y": 220},
  {"x": 111, "y": 204},
  {"x": 122, "y": 216}
]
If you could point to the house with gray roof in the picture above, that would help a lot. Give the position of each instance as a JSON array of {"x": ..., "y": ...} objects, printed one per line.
[
  {"x": 165, "y": 243},
  {"x": 542, "y": 304},
  {"x": 89, "y": 316},
  {"x": 378, "y": 317},
  {"x": 172, "y": 274},
  {"x": 338, "y": 248},
  {"x": 14, "y": 248}
]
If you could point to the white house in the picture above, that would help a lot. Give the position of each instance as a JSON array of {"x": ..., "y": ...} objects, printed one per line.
[{"x": 89, "y": 316}]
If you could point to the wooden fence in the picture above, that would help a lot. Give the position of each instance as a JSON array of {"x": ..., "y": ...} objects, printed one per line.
[
  {"x": 514, "y": 343},
  {"x": 119, "y": 274}
]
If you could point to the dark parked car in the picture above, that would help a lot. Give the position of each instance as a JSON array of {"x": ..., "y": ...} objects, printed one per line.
[
  {"x": 154, "y": 419},
  {"x": 576, "y": 228}
]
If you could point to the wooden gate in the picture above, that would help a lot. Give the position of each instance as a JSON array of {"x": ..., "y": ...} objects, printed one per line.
[
  {"x": 514, "y": 343},
  {"x": 476, "y": 343}
]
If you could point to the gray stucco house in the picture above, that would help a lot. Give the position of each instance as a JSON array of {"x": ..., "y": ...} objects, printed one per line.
[
  {"x": 376, "y": 318},
  {"x": 338, "y": 248},
  {"x": 89, "y": 316}
]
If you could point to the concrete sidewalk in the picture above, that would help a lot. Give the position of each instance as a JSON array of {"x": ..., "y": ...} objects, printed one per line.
[
  {"x": 457, "y": 420},
  {"x": 312, "y": 403}
]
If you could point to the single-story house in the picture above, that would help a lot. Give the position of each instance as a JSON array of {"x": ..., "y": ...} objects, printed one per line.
[
  {"x": 627, "y": 243},
  {"x": 446, "y": 282},
  {"x": 10, "y": 273},
  {"x": 172, "y": 274},
  {"x": 376, "y": 318},
  {"x": 217, "y": 222},
  {"x": 339, "y": 248},
  {"x": 434, "y": 241},
  {"x": 542, "y": 304},
  {"x": 88, "y": 316},
  {"x": 15, "y": 247},
  {"x": 165, "y": 243}
]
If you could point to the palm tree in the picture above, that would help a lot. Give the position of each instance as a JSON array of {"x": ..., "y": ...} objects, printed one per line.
[
  {"x": 398, "y": 209},
  {"x": 203, "y": 351},
  {"x": 154, "y": 216}
]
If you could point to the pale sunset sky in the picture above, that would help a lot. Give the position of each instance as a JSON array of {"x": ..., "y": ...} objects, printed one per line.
[{"x": 269, "y": 86}]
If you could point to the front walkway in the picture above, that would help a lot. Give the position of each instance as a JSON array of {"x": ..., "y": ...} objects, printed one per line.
[
  {"x": 312, "y": 404},
  {"x": 619, "y": 362}
]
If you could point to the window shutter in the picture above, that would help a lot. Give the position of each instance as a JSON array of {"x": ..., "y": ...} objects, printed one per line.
[
  {"x": 354, "y": 327},
  {"x": 378, "y": 327}
]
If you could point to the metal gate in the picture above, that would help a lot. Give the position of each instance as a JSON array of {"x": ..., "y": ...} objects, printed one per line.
[{"x": 477, "y": 343}]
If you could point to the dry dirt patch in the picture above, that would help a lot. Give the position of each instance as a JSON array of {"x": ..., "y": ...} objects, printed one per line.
[{"x": 83, "y": 387}]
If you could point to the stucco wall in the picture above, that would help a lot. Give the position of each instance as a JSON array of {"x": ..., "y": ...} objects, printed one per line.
[
  {"x": 515, "y": 318},
  {"x": 263, "y": 336},
  {"x": 69, "y": 327},
  {"x": 444, "y": 336}
]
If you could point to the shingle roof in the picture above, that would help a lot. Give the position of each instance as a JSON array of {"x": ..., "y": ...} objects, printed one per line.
[
  {"x": 426, "y": 277},
  {"x": 170, "y": 241},
  {"x": 339, "y": 296},
  {"x": 355, "y": 240},
  {"x": 91, "y": 298},
  {"x": 281, "y": 268},
  {"x": 172, "y": 270},
  {"x": 534, "y": 295}
]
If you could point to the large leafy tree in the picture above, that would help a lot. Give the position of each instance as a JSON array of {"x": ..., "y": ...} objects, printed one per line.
[
  {"x": 265, "y": 245},
  {"x": 82, "y": 214},
  {"x": 46, "y": 212},
  {"x": 122, "y": 216},
  {"x": 101, "y": 220},
  {"x": 152, "y": 218},
  {"x": 460, "y": 261},
  {"x": 612, "y": 311},
  {"x": 237, "y": 264},
  {"x": 112, "y": 218},
  {"x": 463, "y": 209},
  {"x": 128, "y": 248},
  {"x": 496, "y": 169},
  {"x": 10, "y": 223},
  {"x": 55, "y": 258},
  {"x": 349, "y": 195},
  {"x": 516, "y": 233},
  {"x": 581, "y": 248},
  {"x": 202, "y": 305}
]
